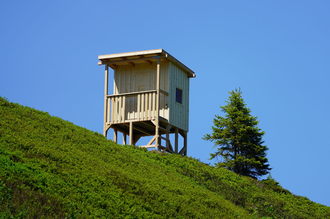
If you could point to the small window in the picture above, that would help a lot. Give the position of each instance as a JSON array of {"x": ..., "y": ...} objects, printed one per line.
[{"x": 178, "y": 97}]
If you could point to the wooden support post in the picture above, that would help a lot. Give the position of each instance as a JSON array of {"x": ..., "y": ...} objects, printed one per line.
[
  {"x": 159, "y": 139},
  {"x": 105, "y": 99},
  {"x": 176, "y": 139},
  {"x": 124, "y": 139},
  {"x": 115, "y": 132},
  {"x": 157, "y": 104},
  {"x": 130, "y": 133},
  {"x": 168, "y": 136},
  {"x": 185, "y": 138}
]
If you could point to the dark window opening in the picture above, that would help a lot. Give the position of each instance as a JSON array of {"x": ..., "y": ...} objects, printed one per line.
[{"x": 178, "y": 97}]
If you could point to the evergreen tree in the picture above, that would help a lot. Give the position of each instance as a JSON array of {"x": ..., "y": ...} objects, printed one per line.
[{"x": 238, "y": 139}]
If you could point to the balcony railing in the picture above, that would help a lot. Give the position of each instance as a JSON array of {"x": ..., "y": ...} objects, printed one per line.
[{"x": 131, "y": 106}]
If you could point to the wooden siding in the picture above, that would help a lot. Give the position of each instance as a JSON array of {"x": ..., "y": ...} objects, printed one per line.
[
  {"x": 141, "y": 77},
  {"x": 179, "y": 113}
]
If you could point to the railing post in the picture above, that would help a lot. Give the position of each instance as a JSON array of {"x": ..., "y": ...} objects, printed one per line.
[
  {"x": 149, "y": 109},
  {"x": 146, "y": 106},
  {"x": 154, "y": 105},
  {"x": 124, "y": 106},
  {"x": 115, "y": 110},
  {"x": 142, "y": 106},
  {"x": 109, "y": 107},
  {"x": 119, "y": 108},
  {"x": 112, "y": 109},
  {"x": 138, "y": 107}
]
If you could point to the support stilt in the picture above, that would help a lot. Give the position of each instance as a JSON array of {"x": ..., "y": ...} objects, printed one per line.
[
  {"x": 124, "y": 139},
  {"x": 185, "y": 138},
  {"x": 130, "y": 133},
  {"x": 115, "y": 132},
  {"x": 167, "y": 136},
  {"x": 176, "y": 140}
]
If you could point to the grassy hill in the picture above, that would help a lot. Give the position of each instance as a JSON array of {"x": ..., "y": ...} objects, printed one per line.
[{"x": 51, "y": 168}]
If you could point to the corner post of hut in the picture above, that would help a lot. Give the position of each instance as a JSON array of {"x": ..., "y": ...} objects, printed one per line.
[
  {"x": 106, "y": 87},
  {"x": 158, "y": 139}
]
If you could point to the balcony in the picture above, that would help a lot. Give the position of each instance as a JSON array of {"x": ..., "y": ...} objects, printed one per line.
[{"x": 134, "y": 106}]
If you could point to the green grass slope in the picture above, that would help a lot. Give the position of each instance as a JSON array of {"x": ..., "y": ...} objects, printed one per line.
[{"x": 51, "y": 168}]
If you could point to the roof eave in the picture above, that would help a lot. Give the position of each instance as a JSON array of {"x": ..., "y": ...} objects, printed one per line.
[{"x": 154, "y": 54}]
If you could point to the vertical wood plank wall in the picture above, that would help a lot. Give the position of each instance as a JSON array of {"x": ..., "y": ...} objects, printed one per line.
[
  {"x": 179, "y": 113},
  {"x": 125, "y": 82}
]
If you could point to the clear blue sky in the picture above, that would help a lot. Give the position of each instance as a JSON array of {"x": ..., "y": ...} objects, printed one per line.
[{"x": 278, "y": 52}]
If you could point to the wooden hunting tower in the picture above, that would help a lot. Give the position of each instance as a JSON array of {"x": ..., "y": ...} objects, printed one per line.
[{"x": 150, "y": 98}]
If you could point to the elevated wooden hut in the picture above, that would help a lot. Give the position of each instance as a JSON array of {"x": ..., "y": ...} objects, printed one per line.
[{"x": 150, "y": 98}]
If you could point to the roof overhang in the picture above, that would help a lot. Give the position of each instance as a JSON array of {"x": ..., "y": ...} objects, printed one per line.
[{"x": 146, "y": 56}]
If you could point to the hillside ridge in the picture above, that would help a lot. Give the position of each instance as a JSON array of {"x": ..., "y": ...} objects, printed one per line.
[{"x": 51, "y": 168}]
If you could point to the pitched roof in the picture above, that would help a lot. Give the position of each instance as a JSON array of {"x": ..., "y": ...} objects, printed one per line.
[{"x": 146, "y": 56}]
